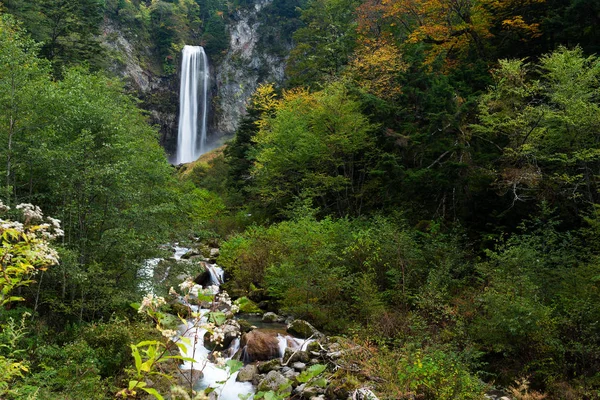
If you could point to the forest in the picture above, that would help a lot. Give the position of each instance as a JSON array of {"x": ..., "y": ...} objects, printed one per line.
[{"x": 423, "y": 189}]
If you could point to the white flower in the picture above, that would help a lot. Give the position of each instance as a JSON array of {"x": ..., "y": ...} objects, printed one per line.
[
  {"x": 3, "y": 207},
  {"x": 30, "y": 212},
  {"x": 187, "y": 284},
  {"x": 151, "y": 301},
  {"x": 168, "y": 333},
  {"x": 172, "y": 292}
]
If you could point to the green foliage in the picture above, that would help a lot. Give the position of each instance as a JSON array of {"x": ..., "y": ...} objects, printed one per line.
[
  {"x": 325, "y": 43},
  {"x": 546, "y": 127},
  {"x": 437, "y": 374},
  {"x": 318, "y": 147}
]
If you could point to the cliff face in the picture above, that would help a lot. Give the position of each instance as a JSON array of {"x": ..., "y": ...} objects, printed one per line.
[
  {"x": 248, "y": 62},
  {"x": 250, "y": 59}
]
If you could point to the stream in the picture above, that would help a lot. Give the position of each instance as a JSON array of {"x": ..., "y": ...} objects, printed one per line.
[{"x": 192, "y": 334}]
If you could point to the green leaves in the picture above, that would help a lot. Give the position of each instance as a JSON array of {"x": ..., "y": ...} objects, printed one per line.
[{"x": 311, "y": 372}]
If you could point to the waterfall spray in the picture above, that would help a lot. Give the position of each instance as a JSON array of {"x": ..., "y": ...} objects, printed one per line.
[{"x": 194, "y": 72}]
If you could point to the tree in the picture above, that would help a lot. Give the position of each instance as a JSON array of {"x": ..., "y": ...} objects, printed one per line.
[
  {"x": 546, "y": 129},
  {"x": 20, "y": 70},
  {"x": 325, "y": 44},
  {"x": 316, "y": 146}
]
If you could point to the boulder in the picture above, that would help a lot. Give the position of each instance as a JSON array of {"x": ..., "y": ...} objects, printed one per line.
[
  {"x": 303, "y": 329},
  {"x": 247, "y": 306},
  {"x": 190, "y": 253},
  {"x": 203, "y": 278},
  {"x": 363, "y": 394},
  {"x": 259, "y": 346},
  {"x": 275, "y": 381},
  {"x": 270, "y": 317},
  {"x": 299, "y": 366},
  {"x": 292, "y": 356},
  {"x": 269, "y": 366},
  {"x": 187, "y": 376},
  {"x": 245, "y": 326},
  {"x": 247, "y": 373}
]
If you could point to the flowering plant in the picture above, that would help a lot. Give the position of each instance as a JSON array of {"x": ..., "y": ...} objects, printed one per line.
[{"x": 24, "y": 248}]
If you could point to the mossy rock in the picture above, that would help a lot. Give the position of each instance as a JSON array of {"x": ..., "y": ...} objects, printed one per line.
[
  {"x": 303, "y": 329},
  {"x": 247, "y": 306},
  {"x": 245, "y": 326},
  {"x": 181, "y": 310}
]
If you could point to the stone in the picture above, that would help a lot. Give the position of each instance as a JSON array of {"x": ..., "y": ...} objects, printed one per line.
[
  {"x": 245, "y": 326},
  {"x": 303, "y": 329},
  {"x": 290, "y": 374},
  {"x": 313, "y": 346},
  {"x": 214, "y": 252},
  {"x": 270, "y": 317},
  {"x": 190, "y": 254},
  {"x": 187, "y": 376},
  {"x": 247, "y": 306},
  {"x": 292, "y": 356},
  {"x": 259, "y": 346},
  {"x": 274, "y": 381},
  {"x": 247, "y": 373},
  {"x": 299, "y": 366},
  {"x": 363, "y": 394},
  {"x": 269, "y": 366},
  {"x": 231, "y": 330}
]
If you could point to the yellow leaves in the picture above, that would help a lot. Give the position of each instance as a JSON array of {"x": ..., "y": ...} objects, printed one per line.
[
  {"x": 517, "y": 23},
  {"x": 449, "y": 27},
  {"x": 376, "y": 67},
  {"x": 265, "y": 98}
]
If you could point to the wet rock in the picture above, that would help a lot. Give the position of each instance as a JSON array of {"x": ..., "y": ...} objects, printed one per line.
[
  {"x": 299, "y": 366},
  {"x": 203, "y": 278},
  {"x": 259, "y": 346},
  {"x": 247, "y": 373},
  {"x": 245, "y": 326},
  {"x": 187, "y": 376},
  {"x": 303, "y": 329},
  {"x": 275, "y": 381},
  {"x": 270, "y": 317},
  {"x": 269, "y": 366},
  {"x": 247, "y": 306},
  {"x": 363, "y": 394},
  {"x": 292, "y": 356},
  {"x": 230, "y": 329},
  {"x": 191, "y": 253}
]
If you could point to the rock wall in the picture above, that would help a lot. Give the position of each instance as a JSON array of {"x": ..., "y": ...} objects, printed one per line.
[
  {"x": 136, "y": 64},
  {"x": 247, "y": 63}
]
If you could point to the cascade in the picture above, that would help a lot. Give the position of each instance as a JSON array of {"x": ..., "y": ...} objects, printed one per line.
[{"x": 193, "y": 103}]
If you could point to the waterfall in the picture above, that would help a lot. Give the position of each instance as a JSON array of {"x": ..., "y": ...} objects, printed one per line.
[{"x": 194, "y": 72}]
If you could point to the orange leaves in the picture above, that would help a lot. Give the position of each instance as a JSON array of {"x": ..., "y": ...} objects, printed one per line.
[{"x": 449, "y": 27}]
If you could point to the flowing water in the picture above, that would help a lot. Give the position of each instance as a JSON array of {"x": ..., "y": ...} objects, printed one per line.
[
  {"x": 191, "y": 335},
  {"x": 193, "y": 104}
]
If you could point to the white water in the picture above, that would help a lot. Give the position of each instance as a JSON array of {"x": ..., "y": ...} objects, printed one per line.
[
  {"x": 194, "y": 72},
  {"x": 194, "y": 348}
]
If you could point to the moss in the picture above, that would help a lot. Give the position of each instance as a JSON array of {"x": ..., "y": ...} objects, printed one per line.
[{"x": 247, "y": 306}]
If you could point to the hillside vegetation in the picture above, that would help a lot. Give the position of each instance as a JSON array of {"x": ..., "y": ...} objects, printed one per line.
[{"x": 424, "y": 187}]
